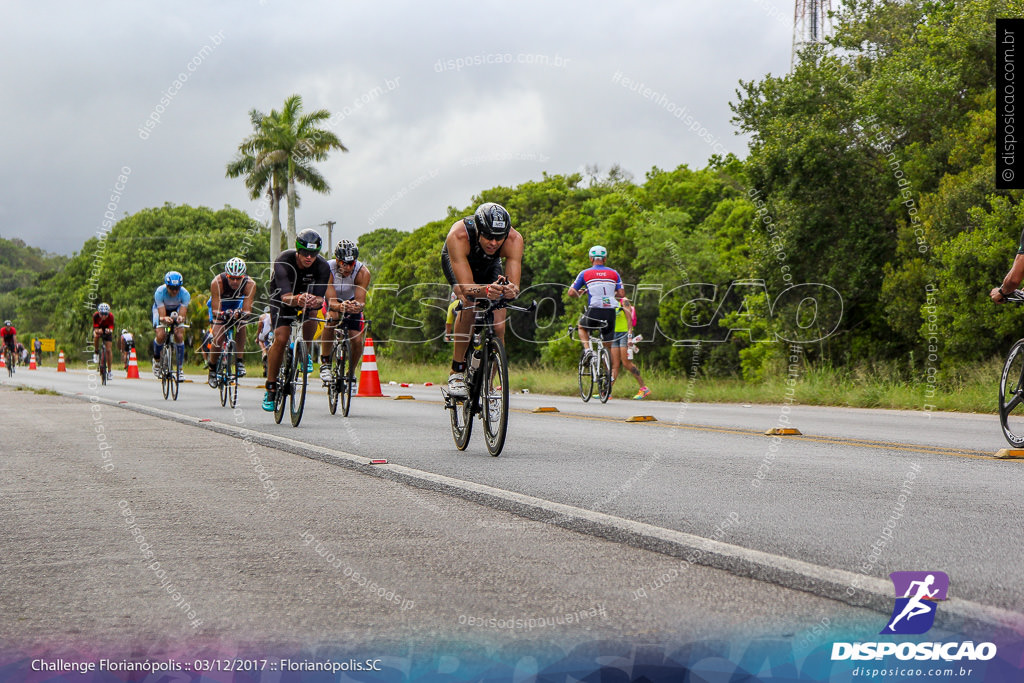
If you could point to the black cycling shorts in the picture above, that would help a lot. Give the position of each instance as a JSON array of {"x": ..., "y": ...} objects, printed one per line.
[
  {"x": 599, "y": 319},
  {"x": 350, "y": 321},
  {"x": 483, "y": 273},
  {"x": 283, "y": 316}
]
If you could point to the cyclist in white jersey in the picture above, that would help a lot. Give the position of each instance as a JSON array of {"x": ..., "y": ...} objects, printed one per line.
[{"x": 351, "y": 282}]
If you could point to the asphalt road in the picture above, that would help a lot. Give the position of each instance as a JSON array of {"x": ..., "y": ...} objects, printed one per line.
[{"x": 799, "y": 512}]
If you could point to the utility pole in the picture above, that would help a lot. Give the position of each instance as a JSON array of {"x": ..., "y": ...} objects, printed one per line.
[{"x": 330, "y": 238}]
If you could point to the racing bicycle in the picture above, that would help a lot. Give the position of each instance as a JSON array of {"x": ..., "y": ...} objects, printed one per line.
[
  {"x": 293, "y": 375},
  {"x": 595, "y": 369},
  {"x": 226, "y": 372},
  {"x": 343, "y": 382},
  {"x": 166, "y": 364},
  {"x": 1011, "y": 387},
  {"x": 486, "y": 380}
]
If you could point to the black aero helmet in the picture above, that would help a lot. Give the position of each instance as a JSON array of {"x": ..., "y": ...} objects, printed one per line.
[
  {"x": 308, "y": 240},
  {"x": 346, "y": 251},
  {"x": 493, "y": 221}
]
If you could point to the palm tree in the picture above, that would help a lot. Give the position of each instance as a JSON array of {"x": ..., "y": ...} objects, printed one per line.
[
  {"x": 301, "y": 142},
  {"x": 255, "y": 160},
  {"x": 279, "y": 154}
]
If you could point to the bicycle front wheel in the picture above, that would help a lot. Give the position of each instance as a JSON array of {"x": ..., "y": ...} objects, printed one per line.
[
  {"x": 232, "y": 375},
  {"x": 299, "y": 377},
  {"x": 462, "y": 422},
  {"x": 586, "y": 378},
  {"x": 103, "y": 363},
  {"x": 604, "y": 375},
  {"x": 345, "y": 386},
  {"x": 284, "y": 375},
  {"x": 1011, "y": 396},
  {"x": 494, "y": 396},
  {"x": 165, "y": 371},
  {"x": 221, "y": 374}
]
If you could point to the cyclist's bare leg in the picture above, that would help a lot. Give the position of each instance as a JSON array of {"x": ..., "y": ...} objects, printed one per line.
[
  {"x": 219, "y": 332},
  {"x": 276, "y": 353},
  {"x": 356, "y": 340},
  {"x": 327, "y": 342},
  {"x": 239, "y": 341},
  {"x": 308, "y": 332},
  {"x": 463, "y": 327},
  {"x": 499, "y": 323}
]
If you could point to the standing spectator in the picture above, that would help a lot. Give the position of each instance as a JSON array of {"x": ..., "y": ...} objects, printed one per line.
[{"x": 39, "y": 352}]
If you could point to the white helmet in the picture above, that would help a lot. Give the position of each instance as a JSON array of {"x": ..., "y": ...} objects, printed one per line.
[
  {"x": 597, "y": 251},
  {"x": 235, "y": 267},
  {"x": 103, "y": 308}
]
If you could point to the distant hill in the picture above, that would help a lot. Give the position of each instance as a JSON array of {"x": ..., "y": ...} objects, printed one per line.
[{"x": 22, "y": 265}]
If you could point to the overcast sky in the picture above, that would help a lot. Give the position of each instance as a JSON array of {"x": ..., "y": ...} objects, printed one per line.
[{"x": 436, "y": 101}]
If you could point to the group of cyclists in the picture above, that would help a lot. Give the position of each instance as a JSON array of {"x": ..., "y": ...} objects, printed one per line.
[{"x": 481, "y": 259}]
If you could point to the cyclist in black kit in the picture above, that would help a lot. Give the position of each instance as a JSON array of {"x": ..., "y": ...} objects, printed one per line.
[
  {"x": 471, "y": 261},
  {"x": 301, "y": 280}
]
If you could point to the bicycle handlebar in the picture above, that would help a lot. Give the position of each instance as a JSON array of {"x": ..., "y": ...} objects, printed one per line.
[{"x": 1014, "y": 297}]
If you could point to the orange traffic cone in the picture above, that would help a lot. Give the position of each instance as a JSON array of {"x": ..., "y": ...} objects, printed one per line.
[
  {"x": 3, "y": 363},
  {"x": 369, "y": 380},
  {"x": 133, "y": 366},
  {"x": 32, "y": 361},
  {"x": 60, "y": 363}
]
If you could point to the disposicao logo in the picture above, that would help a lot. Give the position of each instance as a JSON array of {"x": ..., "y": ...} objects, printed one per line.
[
  {"x": 914, "y": 613},
  {"x": 916, "y": 593}
]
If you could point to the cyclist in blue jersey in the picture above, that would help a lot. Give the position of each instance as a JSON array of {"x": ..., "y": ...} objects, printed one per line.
[
  {"x": 231, "y": 296},
  {"x": 170, "y": 298},
  {"x": 604, "y": 290}
]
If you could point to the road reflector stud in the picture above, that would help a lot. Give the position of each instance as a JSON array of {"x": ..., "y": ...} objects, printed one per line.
[
  {"x": 642, "y": 418},
  {"x": 122, "y": 402},
  {"x": 405, "y": 397},
  {"x": 204, "y": 419},
  {"x": 783, "y": 431},
  {"x": 1010, "y": 453},
  {"x": 378, "y": 462},
  {"x": 546, "y": 409},
  {"x": 428, "y": 384}
]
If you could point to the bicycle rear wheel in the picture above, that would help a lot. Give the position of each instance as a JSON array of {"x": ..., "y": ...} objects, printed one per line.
[
  {"x": 604, "y": 375},
  {"x": 284, "y": 375},
  {"x": 494, "y": 396},
  {"x": 103, "y": 363},
  {"x": 299, "y": 377},
  {"x": 1011, "y": 396},
  {"x": 586, "y": 378},
  {"x": 174, "y": 382}
]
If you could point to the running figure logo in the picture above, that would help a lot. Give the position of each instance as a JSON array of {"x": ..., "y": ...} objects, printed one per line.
[{"x": 916, "y": 593}]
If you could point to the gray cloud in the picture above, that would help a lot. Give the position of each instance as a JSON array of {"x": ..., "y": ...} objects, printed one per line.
[{"x": 487, "y": 94}]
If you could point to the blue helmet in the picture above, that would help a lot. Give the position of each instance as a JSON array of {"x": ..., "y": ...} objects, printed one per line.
[{"x": 173, "y": 279}]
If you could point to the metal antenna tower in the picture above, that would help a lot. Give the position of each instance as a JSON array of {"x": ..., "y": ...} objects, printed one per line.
[{"x": 810, "y": 24}]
